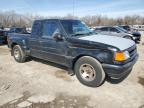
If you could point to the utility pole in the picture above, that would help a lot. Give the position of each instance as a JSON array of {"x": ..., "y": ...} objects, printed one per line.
[{"x": 73, "y": 8}]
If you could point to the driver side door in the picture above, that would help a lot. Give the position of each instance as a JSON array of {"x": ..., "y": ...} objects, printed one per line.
[{"x": 52, "y": 50}]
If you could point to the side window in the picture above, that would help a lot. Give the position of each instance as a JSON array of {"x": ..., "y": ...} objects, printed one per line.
[
  {"x": 97, "y": 29},
  {"x": 104, "y": 29},
  {"x": 113, "y": 30},
  {"x": 36, "y": 29},
  {"x": 49, "y": 29}
]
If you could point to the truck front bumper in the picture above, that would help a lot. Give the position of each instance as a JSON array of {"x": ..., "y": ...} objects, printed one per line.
[{"x": 119, "y": 71}]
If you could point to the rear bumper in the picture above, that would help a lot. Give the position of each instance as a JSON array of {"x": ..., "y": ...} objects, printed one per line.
[{"x": 119, "y": 71}]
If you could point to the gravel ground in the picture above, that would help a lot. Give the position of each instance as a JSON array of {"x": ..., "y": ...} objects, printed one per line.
[{"x": 40, "y": 84}]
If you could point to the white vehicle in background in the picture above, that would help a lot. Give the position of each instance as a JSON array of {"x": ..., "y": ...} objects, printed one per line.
[
  {"x": 138, "y": 27},
  {"x": 118, "y": 32}
]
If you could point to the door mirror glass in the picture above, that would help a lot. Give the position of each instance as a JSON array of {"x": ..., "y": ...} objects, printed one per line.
[{"x": 58, "y": 36}]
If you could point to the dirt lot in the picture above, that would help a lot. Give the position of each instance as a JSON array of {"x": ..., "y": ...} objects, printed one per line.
[{"x": 38, "y": 84}]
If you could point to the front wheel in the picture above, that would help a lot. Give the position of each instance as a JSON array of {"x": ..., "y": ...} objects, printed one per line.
[
  {"x": 89, "y": 71},
  {"x": 18, "y": 54}
]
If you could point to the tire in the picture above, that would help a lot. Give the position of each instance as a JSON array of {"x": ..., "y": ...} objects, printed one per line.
[
  {"x": 89, "y": 71},
  {"x": 18, "y": 54}
]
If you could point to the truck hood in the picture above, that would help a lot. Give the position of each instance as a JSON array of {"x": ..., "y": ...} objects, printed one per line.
[{"x": 120, "y": 43}]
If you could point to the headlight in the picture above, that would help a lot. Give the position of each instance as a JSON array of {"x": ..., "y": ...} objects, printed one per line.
[
  {"x": 134, "y": 37},
  {"x": 121, "y": 56}
]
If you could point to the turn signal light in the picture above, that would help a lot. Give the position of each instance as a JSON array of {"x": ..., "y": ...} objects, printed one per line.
[{"x": 121, "y": 56}]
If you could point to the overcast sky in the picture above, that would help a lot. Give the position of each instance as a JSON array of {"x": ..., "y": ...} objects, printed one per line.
[{"x": 111, "y": 8}]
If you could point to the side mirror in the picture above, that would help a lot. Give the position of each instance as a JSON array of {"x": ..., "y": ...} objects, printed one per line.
[{"x": 58, "y": 36}]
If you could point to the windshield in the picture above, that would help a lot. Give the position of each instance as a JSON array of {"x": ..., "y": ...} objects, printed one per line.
[
  {"x": 126, "y": 28},
  {"x": 75, "y": 27},
  {"x": 121, "y": 29}
]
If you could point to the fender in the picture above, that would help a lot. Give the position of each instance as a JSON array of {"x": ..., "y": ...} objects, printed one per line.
[
  {"x": 23, "y": 45},
  {"x": 101, "y": 55}
]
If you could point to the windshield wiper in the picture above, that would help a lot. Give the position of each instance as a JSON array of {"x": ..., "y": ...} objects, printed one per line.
[
  {"x": 90, "y": 33},
  {"x": 78, "y": 34}
]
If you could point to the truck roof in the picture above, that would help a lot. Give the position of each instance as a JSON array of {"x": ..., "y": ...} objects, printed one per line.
[{"x": 56, "y": 19}]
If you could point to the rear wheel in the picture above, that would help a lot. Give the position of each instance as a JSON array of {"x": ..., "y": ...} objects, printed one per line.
[
  {"x": 18, "y": 54},
  {"x": 89, "y": 71}
]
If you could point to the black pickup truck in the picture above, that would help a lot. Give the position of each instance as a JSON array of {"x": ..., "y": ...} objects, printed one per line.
[{"x": 92, "y": 57}]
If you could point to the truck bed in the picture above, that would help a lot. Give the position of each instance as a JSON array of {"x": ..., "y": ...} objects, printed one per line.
[
  {"x": 18, "y": 38},
  {"x": 18, "y": 35}
]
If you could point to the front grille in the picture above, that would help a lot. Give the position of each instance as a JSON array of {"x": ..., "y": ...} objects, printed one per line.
[{"x": 133, "y": 52}]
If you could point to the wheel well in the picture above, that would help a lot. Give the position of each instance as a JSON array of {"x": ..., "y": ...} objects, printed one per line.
[
  {"x": 74, "y": 61},
  {"x": 13, "y": 44},
  {"x": 127, "y": 36}
]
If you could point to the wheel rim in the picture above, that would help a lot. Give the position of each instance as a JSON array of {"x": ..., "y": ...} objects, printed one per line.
[
  {"x": 87, "y": 72},
  {"x": 16, "y": 54}
]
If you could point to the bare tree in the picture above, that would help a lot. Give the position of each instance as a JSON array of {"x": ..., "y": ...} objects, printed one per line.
[{"x": 11, "y": 18}]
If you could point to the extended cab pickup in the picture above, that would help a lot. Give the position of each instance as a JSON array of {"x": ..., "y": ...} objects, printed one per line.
[{"x": 92, "y": 57}]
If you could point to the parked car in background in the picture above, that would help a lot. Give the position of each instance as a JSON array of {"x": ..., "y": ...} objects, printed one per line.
[
  {"x": 126, "y": 27},
  {"x": 132, "y": 31},
  {"x": 18, "y": 30},
  {"x": 92, "y": 57},
  {"x": 117, "y": 31},
  {"x": 138, "y": 27},
  {"x": 3, "y": 36}
]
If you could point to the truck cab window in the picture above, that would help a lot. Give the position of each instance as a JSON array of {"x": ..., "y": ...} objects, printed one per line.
[
  {"x": 104, "y": 29},
  {"x": 114, "y": 30},
  {"x": 49, "y": 29}
]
